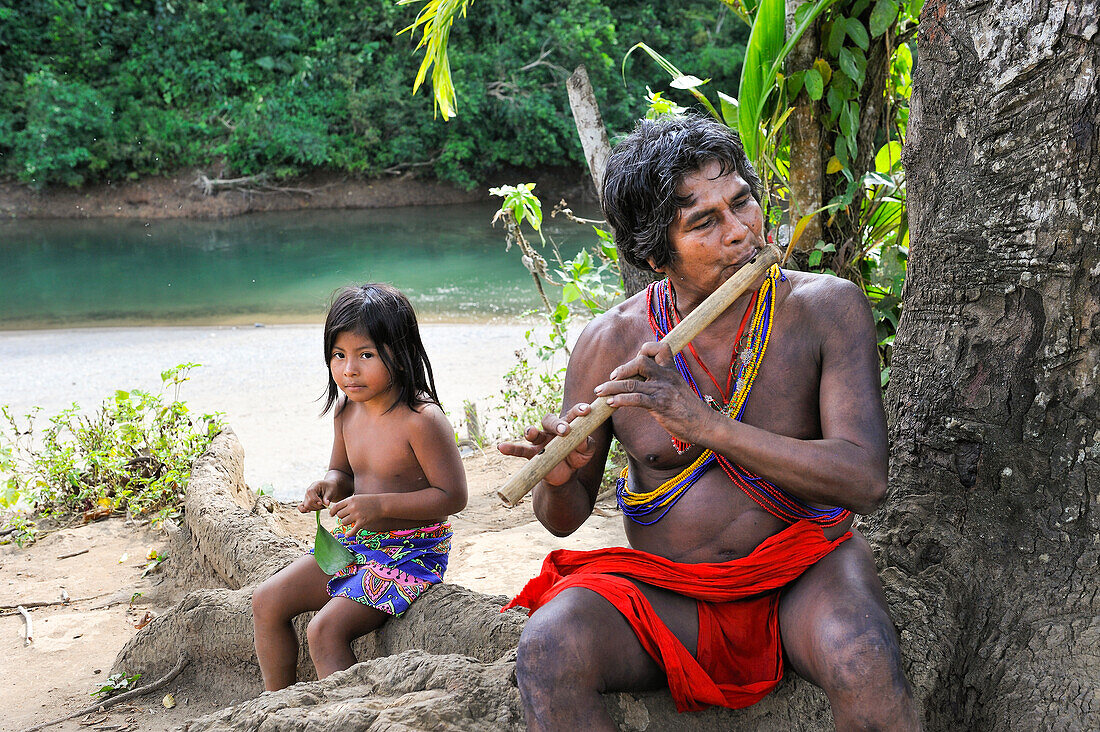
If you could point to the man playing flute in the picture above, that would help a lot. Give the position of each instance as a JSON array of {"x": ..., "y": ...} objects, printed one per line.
[{"x": 748, "y": 452}]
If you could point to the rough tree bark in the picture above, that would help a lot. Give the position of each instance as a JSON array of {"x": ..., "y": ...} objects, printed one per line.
[
  {"x": 992, "y": 537},
  {"x": 597, "y": 148},
  {"x": 807, "y": 171}
]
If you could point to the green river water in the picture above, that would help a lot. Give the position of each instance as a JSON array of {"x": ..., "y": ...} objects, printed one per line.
[{"x": 265, "y": 268}]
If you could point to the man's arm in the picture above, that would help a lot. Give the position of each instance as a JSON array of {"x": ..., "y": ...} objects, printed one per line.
[{"x": 565, "y": 497}]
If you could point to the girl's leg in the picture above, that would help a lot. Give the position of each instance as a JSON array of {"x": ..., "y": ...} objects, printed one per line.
[
  {"x": 293, "y": 590},
  {"x": 334, "y": 628}
]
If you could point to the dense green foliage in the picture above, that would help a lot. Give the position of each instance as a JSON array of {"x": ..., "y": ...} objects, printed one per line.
[{"x": 109, "y": 89}]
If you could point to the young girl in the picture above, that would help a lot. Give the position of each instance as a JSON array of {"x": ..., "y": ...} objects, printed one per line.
[{"x": 394, "y": 477}]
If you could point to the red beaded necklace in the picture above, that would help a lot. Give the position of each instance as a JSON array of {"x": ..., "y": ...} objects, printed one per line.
[{"x": 726, "y": 394}]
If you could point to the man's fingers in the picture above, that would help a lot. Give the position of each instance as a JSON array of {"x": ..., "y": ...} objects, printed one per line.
[
  {"x": 639, "y": 399},
  {"x": 662, "y": 355},
  {"x": 611, "y": 389},
  {"x": 577, "y": 410},
  {"x": 552, "y": 424},
  {"x": 519, "y": 449}
]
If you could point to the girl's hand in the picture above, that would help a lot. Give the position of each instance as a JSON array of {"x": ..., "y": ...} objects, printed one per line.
[
  {"x": 552, "y": 426},
  {"x": 357, "y": 512},
  {"x": 650, "y": 381},
  {"x": 318, "y": 496}
]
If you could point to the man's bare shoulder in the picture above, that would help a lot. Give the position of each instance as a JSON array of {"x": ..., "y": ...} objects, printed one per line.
[
  {"x": 615, "y": 334},
  {"x": 826, "y": 299}
]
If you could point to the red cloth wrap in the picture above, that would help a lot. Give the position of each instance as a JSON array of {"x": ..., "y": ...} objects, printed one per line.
[{"x": 740, "y": 658}]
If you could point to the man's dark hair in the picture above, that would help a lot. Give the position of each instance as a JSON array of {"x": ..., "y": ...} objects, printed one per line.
[
  {"x": 646, "y": 167},
  {"x": 385, "y": 315}
]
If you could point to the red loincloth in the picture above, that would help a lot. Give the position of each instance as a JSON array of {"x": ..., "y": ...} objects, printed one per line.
[{"x": 740, "y": 658}]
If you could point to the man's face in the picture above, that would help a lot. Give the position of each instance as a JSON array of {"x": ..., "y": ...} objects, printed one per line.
[{"x": 716, "y": 233}]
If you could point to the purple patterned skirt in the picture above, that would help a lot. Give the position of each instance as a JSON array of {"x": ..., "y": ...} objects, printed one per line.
[{"x": 392, "y": 568}]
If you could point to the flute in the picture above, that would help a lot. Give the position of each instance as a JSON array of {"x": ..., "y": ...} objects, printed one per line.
[{"x": 556, "y": 450}]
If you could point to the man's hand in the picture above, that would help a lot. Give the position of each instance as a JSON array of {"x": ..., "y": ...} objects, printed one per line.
[
  {"x": 651, "y": 382},
  {"x": 552, "y": 426},
  {"x": 357, "y": 512},
  {"x": 319, "y": 495}
]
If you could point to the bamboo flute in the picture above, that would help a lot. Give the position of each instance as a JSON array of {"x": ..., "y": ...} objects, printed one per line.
[{"x": 556, "y": 450}]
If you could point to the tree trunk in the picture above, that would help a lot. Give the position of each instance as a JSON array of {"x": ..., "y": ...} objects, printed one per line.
[
  {"x": 807, "y": 171},
  {"x": 991, "y": 540},
  {"x": 597, "y": 148}
]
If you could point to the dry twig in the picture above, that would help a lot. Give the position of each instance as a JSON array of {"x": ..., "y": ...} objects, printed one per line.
[
  {"x": 142, "y": 691},
  {"x": 13, "y": 609},
  {"x": 29, "y": 637}
]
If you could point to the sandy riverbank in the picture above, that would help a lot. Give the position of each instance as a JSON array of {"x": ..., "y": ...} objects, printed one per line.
[{"x": 265, "y": 379}]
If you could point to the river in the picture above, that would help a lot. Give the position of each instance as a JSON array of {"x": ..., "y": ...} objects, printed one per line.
[{"x": 266, "y": 268}]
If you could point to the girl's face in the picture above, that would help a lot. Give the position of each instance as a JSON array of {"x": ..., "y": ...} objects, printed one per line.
[{"x": 358, "y": 369}]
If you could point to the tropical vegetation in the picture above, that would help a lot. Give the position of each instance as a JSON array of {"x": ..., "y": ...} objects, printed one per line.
[
  {"x": 132, "y": 456},
  {"x": 105, "y": 90}
]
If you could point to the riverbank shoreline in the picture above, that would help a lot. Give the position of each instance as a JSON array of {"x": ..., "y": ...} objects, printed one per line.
[
  {"x": 266, "y": 381},
  {"x": 182, "y": 195}
]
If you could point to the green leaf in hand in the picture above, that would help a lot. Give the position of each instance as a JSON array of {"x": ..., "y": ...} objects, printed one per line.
[{"x": 331, "y": 555}]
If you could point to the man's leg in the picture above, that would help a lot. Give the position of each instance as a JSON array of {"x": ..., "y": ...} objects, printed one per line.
[
  {"x": 837, "y": 633},
  {"x": 578, "y": 645}
]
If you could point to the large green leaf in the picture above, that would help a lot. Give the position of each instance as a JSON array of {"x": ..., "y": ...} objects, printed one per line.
[
  {"x": 331, "y": 555},
  {"x": 888, "y": 158},
  {"x": 883, "y": 14},
  {"x": 765, "y": 43},
  {"x": 815, "y": 85},
  {"x": 763, "y": 58},
  {"x": 857, "y": 32}
]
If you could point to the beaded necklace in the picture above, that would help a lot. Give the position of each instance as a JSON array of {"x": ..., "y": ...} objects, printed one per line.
[
  {"x": 725, "y": 393},
  {"x": 769, "y": 496}
]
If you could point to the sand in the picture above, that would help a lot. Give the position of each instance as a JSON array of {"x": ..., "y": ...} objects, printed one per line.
[{"x": 265, "y": 379}]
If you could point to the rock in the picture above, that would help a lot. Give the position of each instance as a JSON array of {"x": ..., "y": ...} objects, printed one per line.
[{"x": 414, "y": 690}]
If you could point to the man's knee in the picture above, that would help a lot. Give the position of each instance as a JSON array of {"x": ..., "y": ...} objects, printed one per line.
[
  {"x": 557, "y": 641},
  {"x": 857, "y": 649}
]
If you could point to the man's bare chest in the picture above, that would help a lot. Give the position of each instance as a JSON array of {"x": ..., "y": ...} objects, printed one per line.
[{"x": 783, "y": 399}]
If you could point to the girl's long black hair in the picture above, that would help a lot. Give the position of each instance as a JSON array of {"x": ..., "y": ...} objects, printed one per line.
[{"x": 385, "y": 315}]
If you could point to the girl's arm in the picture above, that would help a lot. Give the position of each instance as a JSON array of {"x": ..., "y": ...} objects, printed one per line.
[
  {"x": 338, "y": 483},
  {"x": 433, "y": 442}
]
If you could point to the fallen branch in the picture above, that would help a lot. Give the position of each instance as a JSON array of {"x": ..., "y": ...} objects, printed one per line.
[
  {"x": 249, "y": 184},
  {"x": 400, "y": 168},
  {"x": 13, "y": 609},
  {"x": 209, "y": 185},
  {"x": 74, "y": 554},
  {"x": 107, "y": 703}
]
